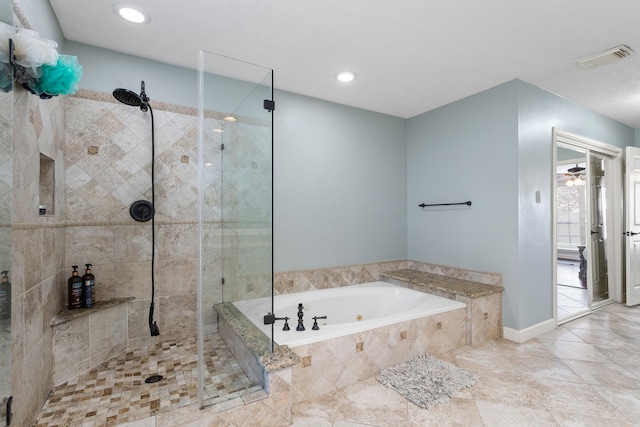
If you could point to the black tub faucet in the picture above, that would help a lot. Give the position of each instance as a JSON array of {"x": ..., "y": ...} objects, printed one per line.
[
  {"x": 315, "y": 326},
  {"x": 300, "y": 326}
]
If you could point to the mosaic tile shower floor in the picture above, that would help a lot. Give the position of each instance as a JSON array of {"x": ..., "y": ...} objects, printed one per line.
[{"x": 115, "y": 392}]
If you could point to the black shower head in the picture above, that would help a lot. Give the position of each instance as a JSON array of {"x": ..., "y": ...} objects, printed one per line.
[{"x": 131, "y": 98}]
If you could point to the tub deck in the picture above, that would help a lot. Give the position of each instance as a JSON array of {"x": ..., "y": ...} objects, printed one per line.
[{"x": 484, "y": 302}]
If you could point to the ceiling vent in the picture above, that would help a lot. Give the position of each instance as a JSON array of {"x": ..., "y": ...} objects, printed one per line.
[{"x": 606, "y": 57}]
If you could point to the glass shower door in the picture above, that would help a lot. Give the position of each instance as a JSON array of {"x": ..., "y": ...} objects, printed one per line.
[{"x": 235, "y": 192}]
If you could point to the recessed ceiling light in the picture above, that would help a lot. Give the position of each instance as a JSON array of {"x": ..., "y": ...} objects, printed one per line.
[
  {"x": 230, "y": 119},
  {"x": 131, "y": 13},
  {"x": 346, "y": 76},
  {"x": 218, "y": 130}
]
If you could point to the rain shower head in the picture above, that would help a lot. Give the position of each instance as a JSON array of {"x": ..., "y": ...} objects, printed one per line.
[{"x": 129, "y": 97}]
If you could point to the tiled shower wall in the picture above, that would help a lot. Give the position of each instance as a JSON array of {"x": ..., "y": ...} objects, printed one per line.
[
  {"x": 108, "y": 161},
  {"x": 37, "y": 273}
]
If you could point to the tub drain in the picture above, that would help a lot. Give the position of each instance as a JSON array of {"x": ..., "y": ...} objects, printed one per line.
[{"x": 153, "y": 379}]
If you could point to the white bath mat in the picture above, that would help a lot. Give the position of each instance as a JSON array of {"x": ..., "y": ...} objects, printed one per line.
[{"x": 426, "y": 381}]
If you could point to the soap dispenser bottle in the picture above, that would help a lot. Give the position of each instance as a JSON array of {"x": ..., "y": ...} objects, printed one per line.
[
  {"x": 5, "y": 296},
  {"x": 88, "y": 288},
  {"x": 75, "y": 289}
]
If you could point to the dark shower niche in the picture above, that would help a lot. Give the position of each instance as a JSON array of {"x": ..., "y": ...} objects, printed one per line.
[{"x": 47, "y": 186}]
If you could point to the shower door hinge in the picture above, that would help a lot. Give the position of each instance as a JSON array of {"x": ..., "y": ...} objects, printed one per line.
[
  {"x": 222, "y": 280},
  {"x": 221, "y": 147},
  {"x": 269, "y": 105}
]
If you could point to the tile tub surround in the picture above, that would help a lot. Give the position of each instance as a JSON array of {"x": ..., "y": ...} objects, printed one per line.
[
  {"x": 334, "y": 364},
  {"x": 286, "y": 282},
  {"x": 484, "y": 302}
]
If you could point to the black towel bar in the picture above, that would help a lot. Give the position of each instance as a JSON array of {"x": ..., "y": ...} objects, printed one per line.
[{"x": 423, "y": 205}]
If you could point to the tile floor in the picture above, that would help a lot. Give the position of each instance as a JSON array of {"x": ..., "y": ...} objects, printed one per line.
[
  {"x": 572, "y": 297},
  {"x": 115, "y": 392},
  {"x": 584, "y": 373}
]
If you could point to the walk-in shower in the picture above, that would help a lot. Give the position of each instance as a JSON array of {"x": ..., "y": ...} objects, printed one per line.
[{"x": 144, "y": 210}]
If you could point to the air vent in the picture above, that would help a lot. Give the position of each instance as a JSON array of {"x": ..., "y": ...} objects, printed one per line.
[{"x": 606, "y": 57}]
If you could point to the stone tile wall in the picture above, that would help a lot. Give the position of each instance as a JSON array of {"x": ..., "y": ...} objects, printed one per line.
[
  {"x": 286, "y": 282},
  {"x": 37, "y": 270},
  {"x": 333, "y": 364},
  {"x": 108, "y": 162}
]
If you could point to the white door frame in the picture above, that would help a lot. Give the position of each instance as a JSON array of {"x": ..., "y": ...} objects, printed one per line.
[{"x": 614, "y": 184}]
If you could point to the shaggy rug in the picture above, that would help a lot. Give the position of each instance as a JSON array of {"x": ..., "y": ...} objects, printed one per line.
[{"x": 426, "y": 381}]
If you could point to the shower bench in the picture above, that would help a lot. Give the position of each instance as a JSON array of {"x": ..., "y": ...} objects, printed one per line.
[
  {"x": 85, "y": 337},
  {"x": 484, "y": 302}
]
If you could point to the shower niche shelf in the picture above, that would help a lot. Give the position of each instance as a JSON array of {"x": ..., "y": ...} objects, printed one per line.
[{"x": 67, "y": 315}]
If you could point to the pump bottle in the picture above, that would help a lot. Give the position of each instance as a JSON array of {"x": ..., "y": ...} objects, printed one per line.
[
  {"x": 75, "y": 289},
  {"x": 88, "y": 288},
  {"x": 5, "y": 297}
]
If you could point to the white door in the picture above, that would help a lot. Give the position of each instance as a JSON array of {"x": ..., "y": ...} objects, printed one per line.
[{"x": 632, "y": 224}]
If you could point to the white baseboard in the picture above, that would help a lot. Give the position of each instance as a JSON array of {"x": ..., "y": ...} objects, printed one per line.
[{"x": 530, "y": 332}]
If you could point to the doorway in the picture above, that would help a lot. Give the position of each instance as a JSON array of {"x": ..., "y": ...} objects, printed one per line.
[{"x": 587, "y": 273}]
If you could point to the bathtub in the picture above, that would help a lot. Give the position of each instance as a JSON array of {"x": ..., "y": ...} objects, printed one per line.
[{"x": 349, "y": 310}]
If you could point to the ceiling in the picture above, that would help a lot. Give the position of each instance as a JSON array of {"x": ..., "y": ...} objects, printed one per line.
[{"x": 411, "y": 56}]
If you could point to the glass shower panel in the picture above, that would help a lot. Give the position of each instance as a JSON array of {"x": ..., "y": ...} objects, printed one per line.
[
  {"x": 235, "y": 219},
  {"x": 6, "y": 203},
  {"x": 246, "y": 199}
]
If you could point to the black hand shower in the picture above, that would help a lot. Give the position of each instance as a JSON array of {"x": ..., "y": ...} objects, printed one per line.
[
  {"x": 129, "y": 97},
  {"x": 142, "y": 210}
]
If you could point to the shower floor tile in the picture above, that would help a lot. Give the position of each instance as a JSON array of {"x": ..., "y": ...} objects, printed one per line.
[{"x": 115, "y": 392}]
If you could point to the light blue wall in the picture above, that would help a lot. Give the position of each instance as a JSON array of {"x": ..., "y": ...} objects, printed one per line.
[
  {"x": 494, "y": 148},
  {"x": 104, "y": 70},
  {"x": 339, "y": 172},
  {"x": 540, "y": 111},
  {"x": 339, "y": 184},
  {"x": 467, "y": 150},
  {"x": 348, "y": 182},
  {"x": 44, "y": 20}
]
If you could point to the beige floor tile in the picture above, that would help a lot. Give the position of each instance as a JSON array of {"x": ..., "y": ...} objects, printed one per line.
[
  {"x": 369, "y": 402},
  {"x": 625, "y": 400},
  {"x": 572, "y": 397},
  {"x": 577, "y": 351},
  {"x": 324, "y": 406},
  {"x": 597, "y": 336},
  {"x": 344, "y": 423},
  {"x": 544, "y": 368},
  {"x": 456, "y": 412},
  {"x": 507, "y": 389},
  {"x": 310, "y": 421},
  {"x": 604, "y": 374},
  {"x": 483, "y": 359},
  {"x": 561, "y": 334},
  {"x": 495, "y": 414},
  {"x": 565, "y": 419}
]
